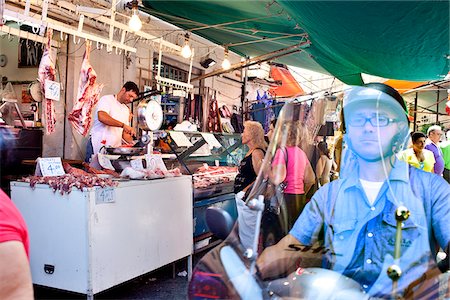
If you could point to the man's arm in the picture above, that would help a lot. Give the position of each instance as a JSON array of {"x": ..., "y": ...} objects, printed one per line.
[
  {"x": 286, "y": 256},
  {"x": 15, "y": 277},
  {"x": 106, "y": 119}
]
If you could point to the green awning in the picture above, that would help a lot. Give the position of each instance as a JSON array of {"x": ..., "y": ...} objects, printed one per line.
[{"x": 393, "y": 39}]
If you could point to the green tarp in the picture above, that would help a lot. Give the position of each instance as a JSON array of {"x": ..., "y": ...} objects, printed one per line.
[{"x": 393, "y": 39}]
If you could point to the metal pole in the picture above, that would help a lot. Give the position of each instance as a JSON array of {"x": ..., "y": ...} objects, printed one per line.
[
  {"x": 415, "y": 111},
  {"x": 437, "y": 107},
  {"x": 244, "y": 92}
]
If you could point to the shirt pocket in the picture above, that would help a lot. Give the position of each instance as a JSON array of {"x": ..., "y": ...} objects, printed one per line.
[
  {"x": 410, "y": 232},
  {"x": 342, "y": 233}
]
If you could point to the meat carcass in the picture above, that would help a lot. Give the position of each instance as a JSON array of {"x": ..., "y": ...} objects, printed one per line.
[
  {"x": 47, "y": 72},
  {"x": 87, "y": 97}
]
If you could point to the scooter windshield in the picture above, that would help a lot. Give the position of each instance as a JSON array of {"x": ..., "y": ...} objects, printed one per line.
[{"x": 347, "y": 213}]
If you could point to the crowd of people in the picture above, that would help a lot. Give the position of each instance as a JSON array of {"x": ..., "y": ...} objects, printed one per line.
[{"x": 354, "y": 217}]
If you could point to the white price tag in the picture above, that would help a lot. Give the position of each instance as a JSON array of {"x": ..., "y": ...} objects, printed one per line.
[
  {"x": 49, "y": 166},
  {"x": 52, "y": 90},
  {"x": 105, "y": 195},
  {"x": 137, "y": 164},
  {"x": 154, "y": 162}
]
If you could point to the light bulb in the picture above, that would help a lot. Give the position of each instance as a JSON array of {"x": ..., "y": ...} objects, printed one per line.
[
  {"x": 135, "y": 23},
  {"x": 226, "y": 63},
  {"x": 186, "y": 51}
]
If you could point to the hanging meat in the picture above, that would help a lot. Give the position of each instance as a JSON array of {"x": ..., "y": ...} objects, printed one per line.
[
  {"x": 87, "y": 96},
  {"x": 47, "y": 72}
]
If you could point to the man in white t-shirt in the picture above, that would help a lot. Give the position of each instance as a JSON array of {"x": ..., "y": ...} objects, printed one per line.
[{"x": 112, "y": 118}]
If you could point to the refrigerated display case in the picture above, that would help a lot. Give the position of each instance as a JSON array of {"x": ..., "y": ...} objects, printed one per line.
[{"x": 213, "y": 170}]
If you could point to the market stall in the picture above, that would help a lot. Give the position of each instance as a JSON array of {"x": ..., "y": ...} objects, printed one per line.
[{"x": 89, "y": 240}]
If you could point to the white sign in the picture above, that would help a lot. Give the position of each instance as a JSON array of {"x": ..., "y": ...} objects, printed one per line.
[
  {"x": 137, "y": 164},
  {"x": 105, "y": 195},
  {"x": 52, "y": 90},
  {"x": 180, "y": 139},
  {"x": 211, "y": 140},
  {"x": 49, "y": 166},
  {"x": 154, "y": 162}
]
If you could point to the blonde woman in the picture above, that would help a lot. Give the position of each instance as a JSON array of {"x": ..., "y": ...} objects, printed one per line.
[
  {"x": 291, "y": 166},
  {"x": 253, "y": 137}
]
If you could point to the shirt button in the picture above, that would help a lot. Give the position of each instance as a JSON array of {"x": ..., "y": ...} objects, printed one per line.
[
  {"x": 372, "y": 208},
  {"x": 341, "y": 237},
  {"x": 365, "y": 286},
  {"x": 370, "y": 234},
  {"x": 369, "y": 261}
]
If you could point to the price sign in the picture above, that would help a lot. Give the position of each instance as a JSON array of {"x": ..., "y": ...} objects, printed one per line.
[
  {"x": 155, "y": 162},
  {"x": 105, "y": 195},
  {"x": 52, "y": 90},
  {"x": 49, "y": 166},
  {"x": 137, "y": 164}
]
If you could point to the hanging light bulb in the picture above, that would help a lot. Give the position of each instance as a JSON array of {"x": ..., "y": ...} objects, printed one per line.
[
  {"x": 135, "y": 23},
  {"x": 186, "y": 51},
  {"x": 226, "y": 62}
]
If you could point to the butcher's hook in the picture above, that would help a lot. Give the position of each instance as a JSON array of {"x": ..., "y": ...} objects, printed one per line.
[
  {"x": 98, "y": 45},
  {"x": 75, "y": 41},
  {"x": 35, "y": 29}
]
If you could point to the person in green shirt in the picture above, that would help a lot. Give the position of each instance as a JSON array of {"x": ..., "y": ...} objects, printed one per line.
[{"x": 445, "y": 148}]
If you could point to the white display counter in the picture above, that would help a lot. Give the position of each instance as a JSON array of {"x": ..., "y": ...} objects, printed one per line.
[{"x": 89, "y": 241}]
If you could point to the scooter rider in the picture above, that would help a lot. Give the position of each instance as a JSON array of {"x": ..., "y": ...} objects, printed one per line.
[{"x": 357, "y": 211}]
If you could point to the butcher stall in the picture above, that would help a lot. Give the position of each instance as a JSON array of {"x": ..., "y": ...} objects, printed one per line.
[{"x": 88, "y": 239}]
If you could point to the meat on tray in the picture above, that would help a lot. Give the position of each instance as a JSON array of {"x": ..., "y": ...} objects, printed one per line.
[
  {"x": 74, "y": 171},
  {"x": 207, "y": 176},
  {"x": 64, "y": 183},
  {"x": 93, "y": 170},
  {"x": 149, "y": 174},
  {"x": 87, "y": 96}
]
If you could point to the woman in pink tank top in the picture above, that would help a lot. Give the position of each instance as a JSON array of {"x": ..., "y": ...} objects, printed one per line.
[{"x": 291, "y": 166}]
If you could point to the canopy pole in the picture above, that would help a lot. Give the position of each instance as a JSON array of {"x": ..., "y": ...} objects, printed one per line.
[
  {"x": 244, "y": 92},
  {"x": 256, "y": 60},
  {"x": 437, "y": 107},
  {"x": 415, "y": 112}
]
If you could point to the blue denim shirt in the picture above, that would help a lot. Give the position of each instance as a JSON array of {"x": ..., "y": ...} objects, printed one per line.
[{"x": 361, "y": 236}]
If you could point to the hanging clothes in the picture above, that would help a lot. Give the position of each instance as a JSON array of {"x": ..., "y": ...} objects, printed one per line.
[
  {"x": 277, "y": 106},
  {"x": 269, "y": 112},
  {"x": 187, "y": 107},
  {"x": 257, "y": 109},
  {"x": 198, "y": 108},
  {"x": 237, "y": 123},
  {"x": 214, "y": 117}
]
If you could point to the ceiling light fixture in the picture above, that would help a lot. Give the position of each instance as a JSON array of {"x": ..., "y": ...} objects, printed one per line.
[
  {"x": 186, "y": 51},
  {"x": 226, "y": 63},
  {"x": 207, "y": 62},
  {"x": 135, "y": 23}
]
